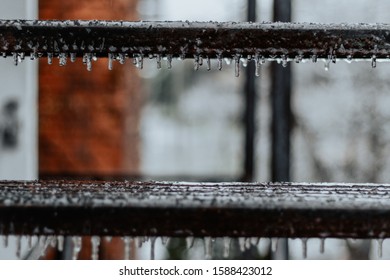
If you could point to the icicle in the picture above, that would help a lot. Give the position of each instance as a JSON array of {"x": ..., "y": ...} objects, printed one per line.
[
  {"x": 226, "y": 247},
  {"x": 164, "y": 240},
  {"x": 373, "y": 61},
  {"x": 152, "y": 246},
  {"x": 16, "y": 59},
  {"x": 126, "y": 241},
  {"x": 60, "y": 243},
  {"x": 314, "y": 58},
  {"x": 72, "y": 57},
  {"x": 207, "y": 248},
  {"x": 380, "y": 247},
  {"x": 200, "y": 60},
  {"x": 196, "y": 62},
  {"x": 108, "y": 238},
  {"x": 241, "y": 242},
  {"x": 327, "y": 64},
  {"x": 158, "y": 58},
  {"x": 43, "y": 243},
  {"x": 284, "y": 61},
  {"x": 95, "y": 240},
  {"x": 110, "y": 60},
  {"x": 255, "y": 241},
  {"x": 87, "y": 59},
  {"x": 5, "y": 241},
  {"x": 33, "y": 55},
  {"x": 49, "y": 58},
  {"x": 322, "y": 245},
  {"x": 18, "y": 246},
  {"x": 53, "y": 242},
  {"x": 274, "y": 244},
  {"x": 121, "y": 58},
  {"x": 208, "y": 64},
  {"x": 21, "y": 56},
  {"x": 304, "y": 247},
  {"x": 247, "y": 243},
  {"x": 77, "y": 243},
  {"x": 169, "y": 61},
  {"x": 139, "y": 61},
  {"x": 237, "y": 66},
  {"x": 189, "y": 242},
  {"x": 258, "y": 64},
  {"x": 62, "y": 59},
  {"x": 244, "y": 62},
  {"x": 29, "y": 241},
  {"x": 219, "y": 57}
]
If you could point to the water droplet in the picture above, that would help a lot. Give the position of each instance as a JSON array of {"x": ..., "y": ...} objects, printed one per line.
[
  {"x": 5, "y": 241},
  {"x": 158, "y": 59},
  {"x": 380, "y": 247},
  {"x": 207, "y": 248},
  {"x": 274, "y": 244},
  {"x": 62, "y": 59},
  {"x": 60, "y": 243},
  {"x": 208, "y": 64},
  {"x": 18, "y": 246},
  {"x": 219, "y": 57},
  {"x": 110, "y": 60},
  {"x": 49, "y": 58},
  {"x": 304, "y": 247},
  {"x": 196, "y": 62},
  {"x": 95, "y": 240},
  {"x": 226, "y": 247},
  {"x": 127, "y": 252},
  {"x": 72, "y": 57},
  {"x": 152, "y": 246},
  {"x": 189, "y": 242},
  {"x": 322, "y": 245},
  {"x": 237, "y": 65},
  {"x": 373, "y": 61},
  {"x": 77, "y": 244},
  {"x": 241, "y": 243},
  {"x": 169, "y": 61}
]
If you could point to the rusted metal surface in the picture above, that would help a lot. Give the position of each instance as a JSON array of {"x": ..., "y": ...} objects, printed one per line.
[
  {"x": 189, "y": 39},
  {"x": 194, "y": 209}
]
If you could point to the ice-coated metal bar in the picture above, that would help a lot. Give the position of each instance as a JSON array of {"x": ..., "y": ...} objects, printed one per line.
[
  {"x": 194, "y": 209},
  {"x": 188, "y": 39}
]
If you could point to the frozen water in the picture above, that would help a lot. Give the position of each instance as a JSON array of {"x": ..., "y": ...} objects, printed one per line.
[
  {"x": 60, "y": 243},
  {"x": 208, "y": 246},
  {"x": 110, "y": 60},
  {"x": 127, "y": 246},
  {"x": 196, "y": 62},
  {"x": 219, "y": 57},
  {"x": 77, "y": 245},
  {"x": 62, "y": 59},
  {"x": 304, "y": 247},
  {"x": 169, "y": 61},
  {"x": 158, "y": 59},
  {"x": 95, "y": 241},
  {"x": 152, "y": 247},
  {"x": 241, "y": 243},
  {"x": 18, "y": 246},
  {"x": 237, "y": 65},
  {"x": 226, "y": 247},
  {"x": 189, "y": 241},
  {"x": 274, "y": 244},
  {"x": 208, "y": 64},
  {"x": 380, "y": 247}
]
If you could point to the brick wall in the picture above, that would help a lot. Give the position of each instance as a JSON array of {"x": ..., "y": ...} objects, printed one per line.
[{"x": 88, "y": 121}]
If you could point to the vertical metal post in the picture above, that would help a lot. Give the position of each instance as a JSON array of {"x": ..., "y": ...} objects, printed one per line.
[
  {"x": 250, "y": 107},
  {"x": 281, "y": 113}
]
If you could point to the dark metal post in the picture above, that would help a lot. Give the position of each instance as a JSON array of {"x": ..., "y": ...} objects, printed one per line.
[
  {"x": 281, "y": 113},
  {"x": 250, "y": 107}
]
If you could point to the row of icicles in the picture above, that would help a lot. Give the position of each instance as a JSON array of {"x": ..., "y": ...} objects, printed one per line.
[
  {"x": 245, "y": 243},
  {"x": 138, "y": 60}
]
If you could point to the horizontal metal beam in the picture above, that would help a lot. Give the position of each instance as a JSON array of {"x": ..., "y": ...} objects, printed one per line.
[
  {"x": 284, "y": 41},
  {"x": 194, "y": 209}
]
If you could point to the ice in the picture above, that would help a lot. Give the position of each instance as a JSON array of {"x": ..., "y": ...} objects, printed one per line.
[
  {"x": 49, "y": 58},
  {"x": 380, "y": 247},
  {"x": 190, "y": 241},
  {"x": 219, "y": 57},
  {"x": 127, "y": 251},
  {"x": 241, "y": 243},
  {"x": 110, "y": 60},
  {"x": 373, "y": 61},
  {"x": 164, "y": 240},
  {"x": 152, "y": 246},
  {"x": 274, "y": 244},
  {"x": 18, "y": 246},
  {"x": 72, "y": 57},
  {"x": 304, "y": 247},
  {"x": 53, "y": 242},
  {"x": 244, "y": 62},
  {"x": 60, "y": 243},
  {"x": 237, "y": 65},
  {"x": 158, "y": 59},
  {"x": 322, "y": 245},
  {"x": 228, "y": 61},
  {"x": 169, "y": 61},
  {"x": 247, "y": 243},
  {"x": 95, "y": 240},
  {"x": 196, "y": 62},
  {"x": 62, "y": 59},
  {"x": 208, "y": 246},
  {"x": 226, "y": 247},
  {"x": 284, "y": 61},
  {"x": 139, "y": 61},
  {"x": 208, "y": 64},
  {"x": 77, "y": 244},
  {"x": 122, "y": 58},
  {"x": 255, "y": 241},
  {"x": 314, "y": 58},
  {"x": 258, "y": 64},
  {"x": 87, "y": 59},
  {"x": 327, "y": 64}
]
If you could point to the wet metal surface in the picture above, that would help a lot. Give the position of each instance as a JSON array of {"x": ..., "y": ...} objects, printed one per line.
[
  {"x": 189, "y": 39},
  {"x": 194, "y": 209}
]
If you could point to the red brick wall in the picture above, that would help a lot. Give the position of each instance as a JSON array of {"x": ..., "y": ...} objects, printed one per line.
[{"x": 88, "y": 121}]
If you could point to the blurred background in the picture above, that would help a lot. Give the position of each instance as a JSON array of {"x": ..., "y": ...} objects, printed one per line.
[{"x": 178, "y": 124}]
